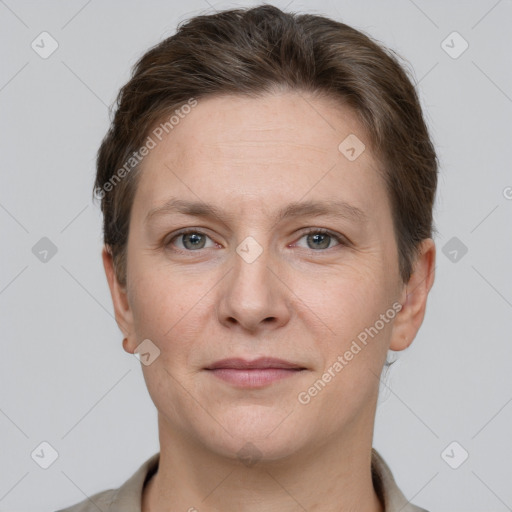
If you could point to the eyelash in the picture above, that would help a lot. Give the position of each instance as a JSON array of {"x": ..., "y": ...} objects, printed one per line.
[{"x": 341, "y": 241}]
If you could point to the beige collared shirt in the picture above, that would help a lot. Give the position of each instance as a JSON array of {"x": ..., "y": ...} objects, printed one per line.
[{"x": 128, "y": 497}]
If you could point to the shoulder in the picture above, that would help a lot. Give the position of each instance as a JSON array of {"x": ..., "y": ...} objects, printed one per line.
[
  {"x": 100, "y": 501},
  {"x": 126, "y": 498}
]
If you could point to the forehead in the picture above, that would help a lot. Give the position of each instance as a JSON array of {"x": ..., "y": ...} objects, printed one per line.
[
  {"x": 268, "y": 126},
  {"x": 268, "y": 150}
]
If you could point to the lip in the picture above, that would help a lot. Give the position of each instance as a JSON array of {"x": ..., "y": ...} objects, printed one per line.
[
  {"x": 262, "y": 363},
  {"x": 257, "y": 373}
]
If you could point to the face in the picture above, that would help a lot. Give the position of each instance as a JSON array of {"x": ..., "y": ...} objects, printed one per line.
[{"x": 245, "y": 282}]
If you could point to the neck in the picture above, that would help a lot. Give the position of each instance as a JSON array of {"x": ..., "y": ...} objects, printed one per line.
[{"x": 332, "y": 477}]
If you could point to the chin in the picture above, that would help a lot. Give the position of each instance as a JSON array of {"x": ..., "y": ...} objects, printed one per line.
[{"x": 256, "y": 434}]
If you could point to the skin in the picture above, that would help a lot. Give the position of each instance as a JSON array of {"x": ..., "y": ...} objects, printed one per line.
[{"x": 298, "y": 302}]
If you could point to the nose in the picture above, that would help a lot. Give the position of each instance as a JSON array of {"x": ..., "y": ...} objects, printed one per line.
[{"x": 253, "y": 296}]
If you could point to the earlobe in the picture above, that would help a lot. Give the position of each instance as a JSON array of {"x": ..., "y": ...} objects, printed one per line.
[
  {"x": 414, "y": 297},
  {"x": 126, "y": 346},
  {"x": 123, "y": 313}
]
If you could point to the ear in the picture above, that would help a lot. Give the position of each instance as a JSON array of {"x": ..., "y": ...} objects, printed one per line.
[
  {"x": 414, "y": 297},
  {"x": 123, "y": 313}
]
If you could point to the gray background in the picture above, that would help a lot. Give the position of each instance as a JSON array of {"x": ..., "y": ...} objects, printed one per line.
[{"x": 65, "y": 378}]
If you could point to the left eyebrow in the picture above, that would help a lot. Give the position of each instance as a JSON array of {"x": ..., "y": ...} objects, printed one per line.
[{"x": 334, "y": 208}]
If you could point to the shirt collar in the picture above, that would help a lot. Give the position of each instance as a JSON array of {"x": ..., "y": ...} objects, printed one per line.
[{"x": 386, "y": 488}]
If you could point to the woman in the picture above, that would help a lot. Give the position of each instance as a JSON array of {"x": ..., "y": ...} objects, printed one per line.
[{"x": 267, "y": 187}]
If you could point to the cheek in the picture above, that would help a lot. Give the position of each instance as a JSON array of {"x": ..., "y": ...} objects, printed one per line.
[
  {"x": 346, "y": 302},
  {"x": 354, "y": 340},
  {"x": 171, "y": 310}
]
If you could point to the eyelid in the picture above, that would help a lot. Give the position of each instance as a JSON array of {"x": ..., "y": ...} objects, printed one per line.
[
  {"x": 342, "y": 240},
  {"x": 186, "y": 231}
]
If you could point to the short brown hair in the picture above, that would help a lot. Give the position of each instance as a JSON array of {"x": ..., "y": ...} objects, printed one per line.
[{"x": 255, "y": 51}]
